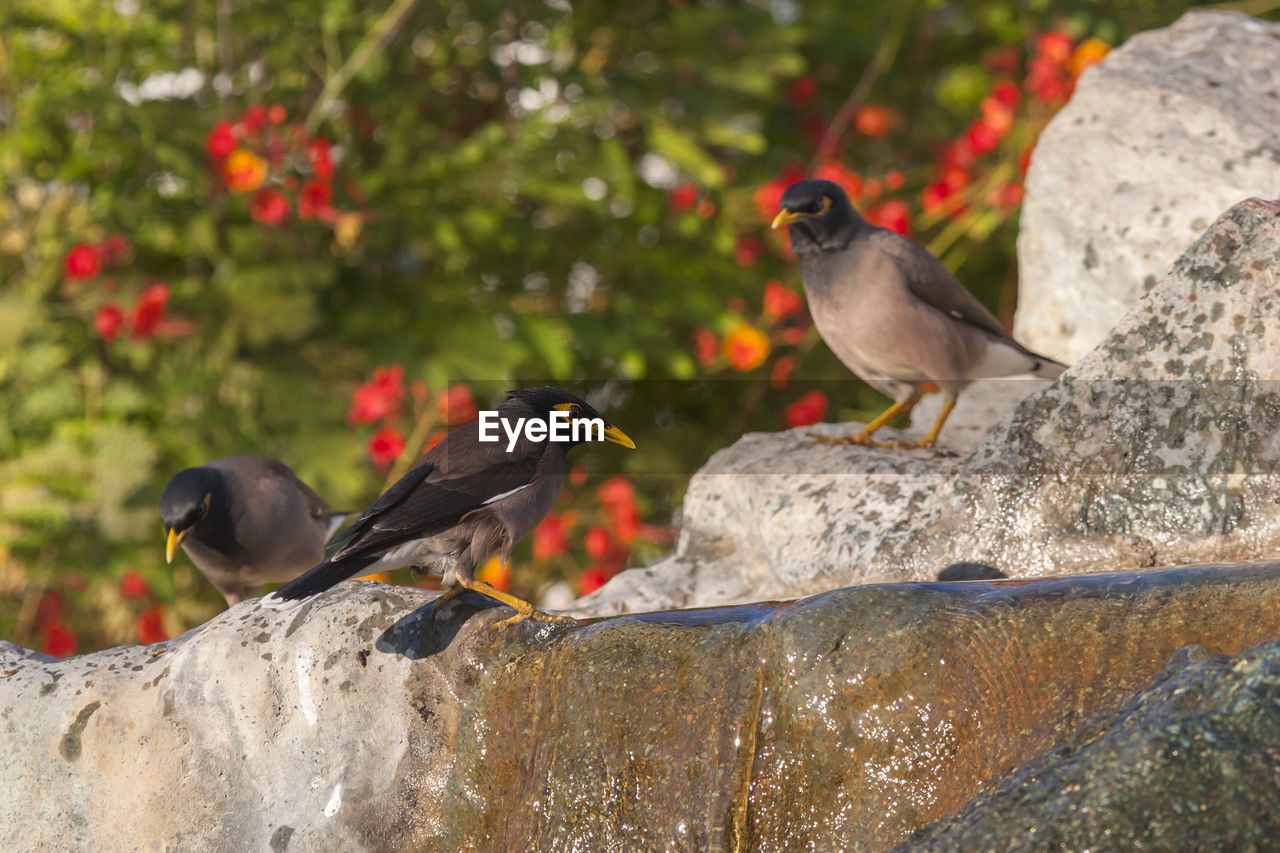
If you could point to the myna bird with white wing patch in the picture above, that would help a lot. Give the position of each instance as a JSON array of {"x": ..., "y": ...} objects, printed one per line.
[
  {"x": 467, "y": 499},
  {"x": 892, "y": 312}
]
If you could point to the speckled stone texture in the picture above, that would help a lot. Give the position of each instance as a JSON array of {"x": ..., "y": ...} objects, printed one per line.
[
  {"x": 1172, "y": 128},
  {"x": 1192, "y": 764},
  {"x": 364, "y": 720},
  {"x": 1160, "y": 447}
]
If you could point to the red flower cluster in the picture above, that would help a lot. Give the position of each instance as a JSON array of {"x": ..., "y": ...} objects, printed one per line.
[
  {"x": 258, "y": 154},
  {"x": 85, "y": 260},
  {"x": 457, "y": 405},
  {"x": 682, "y": 198},
  {"x": 385, "y": 446},
  {"x": 150, "y": 626},
  {"x": 56, "y": 637},
  {"x": 809, "y": 409},
  {"x": 378, "y": 398}
]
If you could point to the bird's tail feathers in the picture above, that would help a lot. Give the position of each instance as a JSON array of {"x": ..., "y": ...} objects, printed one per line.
[
  {"x": 1047, "y": 368},
  {"x": 1009, "y": 358},
  {"x": 330, "y": 572}
]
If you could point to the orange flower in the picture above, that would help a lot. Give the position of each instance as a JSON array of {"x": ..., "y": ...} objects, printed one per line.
[
  {"x": 746, "y": 348},
  {"x": 495, "y": 573},
  {"x": 1089, "y": 52},
  {"x": 874, "y": 120},
  {"x": 244, "y": 171}
]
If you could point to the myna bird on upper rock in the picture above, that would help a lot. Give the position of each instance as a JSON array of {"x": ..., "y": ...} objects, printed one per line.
[
  {"x": 468, "y": 499},
  {"x": 245, "y": 521},
  {"x": 891, "y": 311}
]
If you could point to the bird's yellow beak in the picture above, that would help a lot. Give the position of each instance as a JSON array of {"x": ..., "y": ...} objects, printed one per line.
[
  {"x": 171, "y": 547},
  {"x": 786, "y": 217},
  {"x": 617, "y": 436}
]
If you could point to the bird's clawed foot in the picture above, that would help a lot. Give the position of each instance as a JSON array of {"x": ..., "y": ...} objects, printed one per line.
[
  {"x": 861, "y": 438},
  {"x": 524, "y": 610},
  {"x": 537, "y": 616}
]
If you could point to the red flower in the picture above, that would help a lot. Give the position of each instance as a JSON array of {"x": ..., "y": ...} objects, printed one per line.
[
  {"x": 378, "y": 397},
  {"x": 276, "y": 114},
  {"x": 254, "y": 119},
  {"x": 314, "y": 200},
  {"x": 1006, "y": 92},
  {"x": 780, "y": 301},
  {"x": 150, "y": 626},
  {"x": 1006, "y": 197},
  {"x": 590, "y": 580},
  {"x": 434, "y": 439},
  {"x": 768, "y": 196},
  {"x": 81, "y": 262},
  {"x": 133, "y": 585},
  {"x": 1002, "y": 60},
  {"x": 780, "y": 372},
  {"x": 578, "y": 474},
  {"x": 935, "y": 196},
  {"x": 746, "y": 348},
  {"x": 221, "y": 140},
  {"x": 1045, "y": 79},
  {"x": 748, "y": 250},
  {"x": 802, "y": 90},
  {"x": 112, "y": 249},
  {"x": 874, "y": 121},
  {"x": 457, "y": 406},
  {"x": 982, "y": 137},
  {"x": 893, "y": 179},
  {"x": 107, "y": 322},
  {"x": 597, "y": 542},
  {"x": 871, "y": 189},
  {"x": 809, "y": 409},
  {"x": 549, "y": 538},
  {"x": 626, "y": 523},
  {"x": 682, "y": 198},
  {"x": 1055, "y": 46},
  {"x": 850, "y": 181},
  {"x": 321, "y": 159},
  {"x": 385, "y": 446},
  {"x": 58, "y": 641},
  {"x": 705, "y": 345},
  {"x": 148, "y": 311},
  {"x": 893, "y": 214},
  {"x": 269, "y": 207},
  {"x": 616, "y": 492}
]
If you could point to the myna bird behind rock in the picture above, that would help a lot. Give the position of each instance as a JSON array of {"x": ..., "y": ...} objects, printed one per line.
[
  {"x": 891, "y": 311},
  {"x": 245, "y": 521},
  {"x": 465, "y": 500}
]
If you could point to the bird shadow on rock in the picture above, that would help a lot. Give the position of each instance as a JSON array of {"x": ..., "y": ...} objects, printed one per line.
[{"x": 433, "y": 627}]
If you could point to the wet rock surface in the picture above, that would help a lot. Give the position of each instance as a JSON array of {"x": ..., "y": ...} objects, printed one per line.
[
  {"x": 1173, "y": 127},
  {"x": 364, "y": 720},
  {"x": 1191, "y": 764},
  {"x": 1160, "y": 447}
]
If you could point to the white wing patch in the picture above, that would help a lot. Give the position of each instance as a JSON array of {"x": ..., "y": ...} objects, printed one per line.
[
  {"x": 507, "y": 494},
  {"x": 1002, "y": 360}
]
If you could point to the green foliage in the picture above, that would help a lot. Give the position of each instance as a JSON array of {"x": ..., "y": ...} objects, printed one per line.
[{"x": 494, "y": 222}]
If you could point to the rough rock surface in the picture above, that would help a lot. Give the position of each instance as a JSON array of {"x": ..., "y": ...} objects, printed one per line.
[
  {"x": 1159, "y": 447},
  {"x": 364, "y": 720},
  {"x": 1190, "y": 765},
  {"x": 1172, "y": 128}
]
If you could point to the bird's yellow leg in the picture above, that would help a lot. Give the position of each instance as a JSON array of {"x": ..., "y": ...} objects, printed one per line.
[
  {"x": 524, "y": 610},
  {"x": 883, "y": 418},
  {"x": 932, "y": 438}
]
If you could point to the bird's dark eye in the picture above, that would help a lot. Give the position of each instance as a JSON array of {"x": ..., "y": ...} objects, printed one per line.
[{"x": 813, "y": 206}]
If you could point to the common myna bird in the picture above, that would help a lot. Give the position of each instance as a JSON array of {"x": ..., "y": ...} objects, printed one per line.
[
  {"x": 467, "y": 499},
  {"x": 245, "y": 521},
  {"x": 891, "y": 311}
]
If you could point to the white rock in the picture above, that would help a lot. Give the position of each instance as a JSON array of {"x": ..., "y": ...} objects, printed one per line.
[{"x": 1171, "y": 129}]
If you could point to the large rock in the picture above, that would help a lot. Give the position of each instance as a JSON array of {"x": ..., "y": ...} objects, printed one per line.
[
  {"x": 1170, "y": 130},
  {"x": 364, "y": 720},
  {"x": 1189, "y": 765},
  {"x": 1159, "y": 447}
]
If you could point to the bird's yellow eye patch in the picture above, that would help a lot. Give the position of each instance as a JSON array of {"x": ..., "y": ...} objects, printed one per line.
[
  {"x": 826, "y": 205},
  {"x": 564, "y": 407}
]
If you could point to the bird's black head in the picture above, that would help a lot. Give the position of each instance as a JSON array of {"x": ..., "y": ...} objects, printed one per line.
[
  {"x": 819, "y": 214},
  {"x": 186, "y": 502},
  {"x": 542, "y": 400}
]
